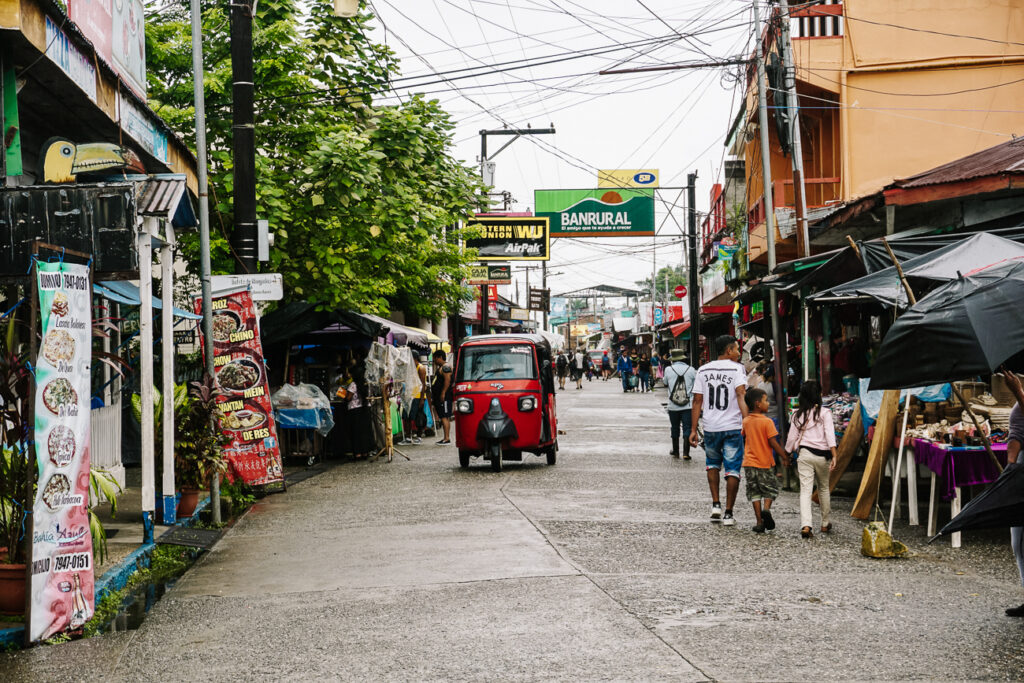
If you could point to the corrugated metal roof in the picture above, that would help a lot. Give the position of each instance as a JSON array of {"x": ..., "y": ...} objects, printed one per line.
[
  {"x": 167, "y": 195},
  {"x": 1007, "y": 158}
]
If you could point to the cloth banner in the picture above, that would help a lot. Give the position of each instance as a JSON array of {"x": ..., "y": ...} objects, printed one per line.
[
  {"x": 253, "y": 451},
  {"x": 62, "y": 569}
]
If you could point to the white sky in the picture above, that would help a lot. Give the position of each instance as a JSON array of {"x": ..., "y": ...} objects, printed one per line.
[{"x": 674, "y": 121}]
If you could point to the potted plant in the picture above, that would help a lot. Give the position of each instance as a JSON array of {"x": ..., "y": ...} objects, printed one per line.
[
  {"x": 197, "y": 443},
  {"x": 17, "y": 480}
]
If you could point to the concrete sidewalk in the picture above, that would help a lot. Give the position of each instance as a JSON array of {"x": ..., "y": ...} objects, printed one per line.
[{"x": 602, "y": 567}]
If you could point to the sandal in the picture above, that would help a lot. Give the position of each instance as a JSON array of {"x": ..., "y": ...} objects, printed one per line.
[
  {"x": 827, "y": 529},
  {"x": 806, "y": 532}
]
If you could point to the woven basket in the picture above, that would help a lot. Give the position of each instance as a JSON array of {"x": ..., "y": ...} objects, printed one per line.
[{"x": 1001, "y": 392}]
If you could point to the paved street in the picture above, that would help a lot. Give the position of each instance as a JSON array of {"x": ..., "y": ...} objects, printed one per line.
[{"x": 603, "y": 567}]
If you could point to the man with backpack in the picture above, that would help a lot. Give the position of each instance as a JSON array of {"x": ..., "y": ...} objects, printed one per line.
[
  {"x": 679, "y": 379},
  {"x": 562, "y": 369}
]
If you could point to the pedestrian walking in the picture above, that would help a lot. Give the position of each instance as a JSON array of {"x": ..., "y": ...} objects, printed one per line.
[
  {"x": 1014, "y": 443},
  {"x": 606, "y": 366},
  {"x": 812, "y": 436},
  {"x": 416, "y": 418},
  {"x": 760, "y": 445},
  {"x": 657, "y": 369},
  {"x": 643, "y": 370},
  {"x": 718, "y": 397},
  {"x": 561, "y": 369},
  {"x": 680, "y": 378},
  {"x": 579, "y": 364},
  {"x": 625, "y": 368},
  {"x": 442, "y": 393}
]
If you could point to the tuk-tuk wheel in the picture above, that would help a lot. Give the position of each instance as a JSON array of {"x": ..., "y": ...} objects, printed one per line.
[
  {"x": 495, "y": 454},
  {"x": 551, "y": 455},
  {"x": 464, "y": 460}
]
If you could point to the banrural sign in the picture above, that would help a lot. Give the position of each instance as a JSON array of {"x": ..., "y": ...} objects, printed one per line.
[
  {"x": 597, "y": 213},
  {"x": 510, "y": 239}
]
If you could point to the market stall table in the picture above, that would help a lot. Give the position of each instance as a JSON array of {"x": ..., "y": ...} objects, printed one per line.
[
  {"x": 299, "y": 429},
  {"x": 956, "y": 466}
]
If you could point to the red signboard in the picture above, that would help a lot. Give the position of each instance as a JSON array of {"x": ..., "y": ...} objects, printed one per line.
[
  {"x": 680, "y": 291},
  {"x": 246, "y": 415}
]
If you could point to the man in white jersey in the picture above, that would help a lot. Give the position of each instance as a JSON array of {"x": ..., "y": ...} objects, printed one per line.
[{"x": 718, "y": 396}]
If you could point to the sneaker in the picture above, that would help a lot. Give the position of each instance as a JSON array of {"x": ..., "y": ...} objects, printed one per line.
[
  {"x": 444, "y": 442},
  {"x": 769, "y": 521},
  {"x": 716, "y": 512},
  {"x": 1015, "y": 611},
  {"x": 728, "y": 520},
  {"x": 759, "y": 529},
  {"x": 403, "y": 442},
  {"x": 417, "y": 440}
]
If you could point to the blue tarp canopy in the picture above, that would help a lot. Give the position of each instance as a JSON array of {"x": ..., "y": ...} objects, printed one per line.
[{"x": 124, "y": 292}]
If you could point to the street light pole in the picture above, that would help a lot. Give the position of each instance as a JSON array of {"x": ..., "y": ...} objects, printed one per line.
[
  {"x": 199, "y": 95},
  {"x": 694, "y": 290}
]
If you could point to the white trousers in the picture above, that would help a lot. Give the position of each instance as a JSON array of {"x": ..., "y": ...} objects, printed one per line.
[{"x": 813, "y": 469}]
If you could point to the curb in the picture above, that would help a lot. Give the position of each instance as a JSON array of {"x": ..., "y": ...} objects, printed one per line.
[{"x": 115, "y": 578}]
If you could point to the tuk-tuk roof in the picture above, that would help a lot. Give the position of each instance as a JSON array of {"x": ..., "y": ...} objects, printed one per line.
[{"x": 534, "y": 339}]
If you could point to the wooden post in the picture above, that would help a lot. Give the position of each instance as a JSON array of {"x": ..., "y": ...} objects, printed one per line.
[{"x": 880, "y": 445}]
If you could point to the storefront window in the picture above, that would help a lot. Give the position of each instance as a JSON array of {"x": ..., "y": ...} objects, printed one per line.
[{"x": 505, "y": 361}]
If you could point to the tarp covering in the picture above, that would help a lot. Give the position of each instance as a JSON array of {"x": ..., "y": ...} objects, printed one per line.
[
  {"x": 402, "y": 335},
  {"x": 923, "y": 272},
  {"x": 124, "y": 292}
]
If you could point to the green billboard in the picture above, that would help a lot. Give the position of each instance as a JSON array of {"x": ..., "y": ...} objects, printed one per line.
[{"x": 601, "y": 212}]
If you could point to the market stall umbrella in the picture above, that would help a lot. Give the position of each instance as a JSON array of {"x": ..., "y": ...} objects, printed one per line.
[
  {"x": 1000, "y": 505},
  {"x": 966, "y": 327}
]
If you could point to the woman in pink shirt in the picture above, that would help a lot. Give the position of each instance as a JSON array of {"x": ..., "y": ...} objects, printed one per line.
[{"x": 812, "y": 436}]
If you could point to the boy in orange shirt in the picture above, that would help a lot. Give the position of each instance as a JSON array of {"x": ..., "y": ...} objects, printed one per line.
[{"x": 759, "y": 438}]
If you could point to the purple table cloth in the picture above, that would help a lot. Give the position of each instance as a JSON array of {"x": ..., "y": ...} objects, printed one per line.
[{"x": 958, "y": 467}]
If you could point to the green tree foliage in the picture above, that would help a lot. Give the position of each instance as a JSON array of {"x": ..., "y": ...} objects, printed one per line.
[
  {"x": 676, "y": 276},
  {"x": 360, "y": 196}
]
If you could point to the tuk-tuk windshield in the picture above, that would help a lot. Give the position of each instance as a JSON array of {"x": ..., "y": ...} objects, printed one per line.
[{"x": 500, "y": 361}]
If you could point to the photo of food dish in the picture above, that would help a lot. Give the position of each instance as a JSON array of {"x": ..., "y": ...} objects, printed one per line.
[
  {"x": 60, "y": 304},
  {"x": 239, "y": 375},
  {"x": 58, "y": 487},
  {"x": 225, "y": 323},
  {"x": 242, "y": 419},
  {"x": 59, "y": 393},
  {"x": 58, "y": 346},
  {"x": 61, "y": 445}
]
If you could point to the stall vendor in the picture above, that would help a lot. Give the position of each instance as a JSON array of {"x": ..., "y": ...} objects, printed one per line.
[{"x": 1014, "y": 443}]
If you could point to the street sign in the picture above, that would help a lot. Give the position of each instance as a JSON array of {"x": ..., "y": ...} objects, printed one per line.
[
  {"x": 539, "y": 300},
  {"x": 185, "y": 336},
  {"x": 659, "y": 316},
  {"x": 628, "y": 177},
  {"x": 504, "y": 238},
  {"x": 489, "y": 275},
  {"x": 680, "y": 291},
  {"x": 601, "y": 212},
  {"x": 262, "y": 286}
]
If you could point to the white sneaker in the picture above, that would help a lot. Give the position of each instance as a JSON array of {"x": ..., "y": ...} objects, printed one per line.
[
  {"x": 728, "y": 519},
  {"x": 417, "y": 440},
  {"x": 404, "y": 442},
  {"x": 716, "y": 512}
]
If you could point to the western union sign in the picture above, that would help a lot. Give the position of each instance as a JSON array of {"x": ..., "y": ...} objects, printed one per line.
[{"x": 510, "y": 239}]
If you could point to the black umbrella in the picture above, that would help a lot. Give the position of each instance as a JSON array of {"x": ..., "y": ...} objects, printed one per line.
[
  {"x": 1000, "y": 505},
  {"x": 966, "y": 327}
]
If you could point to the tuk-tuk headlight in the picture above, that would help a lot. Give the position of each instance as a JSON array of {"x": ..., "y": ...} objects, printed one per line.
[
  {"x": 527, "y": 403},
  {"x": 464, "y": 405}
]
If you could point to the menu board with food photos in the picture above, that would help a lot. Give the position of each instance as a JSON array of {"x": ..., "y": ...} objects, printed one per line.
[
  {"x": 62, "y": 567},
  {"x": 245, "y": 416}
]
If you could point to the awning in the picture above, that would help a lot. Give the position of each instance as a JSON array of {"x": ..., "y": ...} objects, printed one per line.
[
  {"x": 124, "y": 292},
  {"x": 403, "y": 334},
  {"x": 679, "y": 328},
  {"x": 297, "y": 318}
]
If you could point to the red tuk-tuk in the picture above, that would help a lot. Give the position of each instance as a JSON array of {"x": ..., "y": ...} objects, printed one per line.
[{"x": 505, "y": 399}]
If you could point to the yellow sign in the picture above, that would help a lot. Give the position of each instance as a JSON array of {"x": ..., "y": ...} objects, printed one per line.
[
  {"x": 628, "y": 177},
  {"x": 579, "y": 330}
]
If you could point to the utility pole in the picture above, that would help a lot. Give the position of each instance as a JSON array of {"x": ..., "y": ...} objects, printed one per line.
[
  {"x": 516, "y": 133},
  {"x": 243, "y": 238},
  {"x": 799, "y": 191},
  {"x": 803, "y": 239},
  {"x": 769, "y": 218},
  {"x": 693, "y": 292},
  {"x": 544, "y": 285},
  {"x": 199, "y": 96}
]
